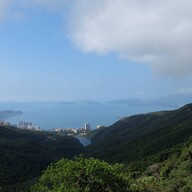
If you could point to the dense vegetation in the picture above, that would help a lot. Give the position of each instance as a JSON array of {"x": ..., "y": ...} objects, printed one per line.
[
  {"x": 83, "y": 175},
  {"x": 92, "y": 175},
  {"x": 141, "y": 139},
  {"x": 24, "y": 154},
  {"x": 142, "y": 153}
]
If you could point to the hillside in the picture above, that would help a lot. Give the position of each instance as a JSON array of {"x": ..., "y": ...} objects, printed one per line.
[
  {"x": 171, "y": 175},
  {"x": 156, "y": 149},
  {"x": 25, "y": 154},
  {"x": 142, "y": 137}
]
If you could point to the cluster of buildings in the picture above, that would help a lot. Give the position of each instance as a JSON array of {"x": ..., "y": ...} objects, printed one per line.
[
  {"x": 67, "y": 131},
  {"x": 28, "y": 126},
  {"x": 22, "y": 125},
  {"x": 75, "y": 131},
  {"x": 4, "y": 123}
]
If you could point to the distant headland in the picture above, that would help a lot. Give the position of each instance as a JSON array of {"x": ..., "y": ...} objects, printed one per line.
[{"x": 9, "y": 113}]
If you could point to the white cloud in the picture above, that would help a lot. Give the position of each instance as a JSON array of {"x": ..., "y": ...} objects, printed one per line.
[{"x": 155, "y": 32}]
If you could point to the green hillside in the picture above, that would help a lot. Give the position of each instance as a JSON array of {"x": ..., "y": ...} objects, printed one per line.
[
  {"x": 140, "y": 137},
  {"x": 92, "y": 175},
  {"x": 155, "y": 150},
  {"x": 25, "y": 154}
]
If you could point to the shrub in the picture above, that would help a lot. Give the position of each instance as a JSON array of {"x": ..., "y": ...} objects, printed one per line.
[{"x": 83, "y": 175}]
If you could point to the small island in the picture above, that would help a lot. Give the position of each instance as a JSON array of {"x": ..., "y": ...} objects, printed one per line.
[{"x": 9, "y": 113}]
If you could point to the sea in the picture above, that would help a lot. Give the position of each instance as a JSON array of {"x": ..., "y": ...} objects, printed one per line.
[{"x": 51, "y": 115}]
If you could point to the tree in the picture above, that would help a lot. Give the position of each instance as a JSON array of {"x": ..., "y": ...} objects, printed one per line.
[{"x": 83, "y": 175}]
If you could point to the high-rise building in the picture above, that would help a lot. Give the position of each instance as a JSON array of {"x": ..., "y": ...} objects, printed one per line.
[{"x": 87, "y": 126}]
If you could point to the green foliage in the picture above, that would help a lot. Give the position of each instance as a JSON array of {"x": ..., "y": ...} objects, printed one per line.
[
  {"x": 140, "y": 140},
  {"x": 25, "y": 154},
  {"x": 156, "y": 150},
  {"x": 89, "y": 175},
  {"x": 83, "y": 175}
]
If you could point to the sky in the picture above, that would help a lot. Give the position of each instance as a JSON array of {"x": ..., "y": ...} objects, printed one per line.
[{"x": 94, "y": 50}]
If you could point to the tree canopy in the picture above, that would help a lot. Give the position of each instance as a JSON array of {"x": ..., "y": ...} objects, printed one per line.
[{"x": 83, "y": 175}]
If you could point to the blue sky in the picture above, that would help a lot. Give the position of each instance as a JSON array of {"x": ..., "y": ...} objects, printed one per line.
[{"x": 109, "y": 49}]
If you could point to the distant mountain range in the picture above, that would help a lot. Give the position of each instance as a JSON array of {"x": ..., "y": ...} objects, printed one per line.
[{"x": 174, "y": 100}]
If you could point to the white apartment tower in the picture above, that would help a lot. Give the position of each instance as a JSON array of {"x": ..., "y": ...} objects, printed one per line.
[{"x": 87, "y": 126}]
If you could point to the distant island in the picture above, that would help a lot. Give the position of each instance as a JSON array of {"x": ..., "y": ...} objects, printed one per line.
[
  {"x": 9, "y": 113},
  {"x": 80, "y": 102}
]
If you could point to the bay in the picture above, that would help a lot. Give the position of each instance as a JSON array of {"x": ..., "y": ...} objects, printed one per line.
[
  {"x": 50, "y": 115},
  {"x": 85, "y": 141}
]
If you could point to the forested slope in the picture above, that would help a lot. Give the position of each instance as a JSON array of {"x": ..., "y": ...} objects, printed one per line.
[
  {"x": 141, "y": 137},
  {"x": 24, "y": 154},
  {"x": 92, "y": 175},
  {"x": 155, "y": 149}
]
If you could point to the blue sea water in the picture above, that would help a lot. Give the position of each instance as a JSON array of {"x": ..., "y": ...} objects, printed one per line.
[
  {"x": 85, "y": 141},
  {"x": 49, "y": 115}
]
